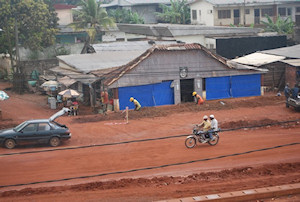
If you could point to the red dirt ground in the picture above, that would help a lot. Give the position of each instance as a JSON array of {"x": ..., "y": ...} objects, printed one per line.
[{"x": 258, "y": 169}]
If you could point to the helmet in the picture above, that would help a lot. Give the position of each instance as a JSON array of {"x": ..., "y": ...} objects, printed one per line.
[
  {"x": 205, "y": 117},
  {"x": 211, "y": 116},
  {"x": 194, "y": 93},
  {"x": 131, "y": 99}
]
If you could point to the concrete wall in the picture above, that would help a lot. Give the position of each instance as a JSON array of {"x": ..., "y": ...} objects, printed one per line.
[
  {"x": 50, "y": 52},
  {"x": 5, "y": 64},
  {"x": 40, "y": 65},
  {"x": 204, "y": 13},
  {"x": 165, "y": 66},
  {"x": 65, "y": 16},
  {"x": 291, "y": 75},
  {"x": 146, "y": 12}
]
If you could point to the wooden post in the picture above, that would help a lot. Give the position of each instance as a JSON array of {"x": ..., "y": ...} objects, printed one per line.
[{"x": 126, "y": 114}]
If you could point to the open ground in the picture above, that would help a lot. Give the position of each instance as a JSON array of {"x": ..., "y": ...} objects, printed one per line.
[{"x": 151, "y": 170}]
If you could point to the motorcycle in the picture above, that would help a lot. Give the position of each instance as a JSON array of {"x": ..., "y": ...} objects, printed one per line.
[{"x": 201, "y": 137}]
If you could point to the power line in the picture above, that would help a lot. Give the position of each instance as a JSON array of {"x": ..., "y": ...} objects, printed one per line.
[
  {"x": 144, "y": 140},
  {"x": 153, "y": 167}
]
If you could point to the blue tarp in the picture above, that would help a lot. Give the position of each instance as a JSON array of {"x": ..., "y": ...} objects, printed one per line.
[
  {"x": 245, "y": 85},
  {"x": 233, "y": 86},
  {"x": 147, "y": 95},
  {"x": 217, "y": 88}
]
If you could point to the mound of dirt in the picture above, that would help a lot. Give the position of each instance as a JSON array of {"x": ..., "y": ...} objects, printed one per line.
[
  {"x": 207, "y": 181},
  {"x": 160, "y": 111}
]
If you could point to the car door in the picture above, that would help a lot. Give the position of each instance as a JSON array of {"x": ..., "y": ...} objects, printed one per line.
[
  {"x": 28, "y": 133},
  {"x": 44, "y": 132}
]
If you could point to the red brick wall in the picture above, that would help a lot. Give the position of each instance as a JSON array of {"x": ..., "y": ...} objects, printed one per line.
[{"x": 290, "y": 75}]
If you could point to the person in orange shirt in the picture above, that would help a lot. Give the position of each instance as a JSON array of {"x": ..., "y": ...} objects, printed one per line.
[
  {"x": 198, "y": 98},
  {"x": 104, "y": 100}
]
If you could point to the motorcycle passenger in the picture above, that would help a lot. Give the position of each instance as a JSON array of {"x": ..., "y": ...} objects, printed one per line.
[{"x": 214, "y": 126}]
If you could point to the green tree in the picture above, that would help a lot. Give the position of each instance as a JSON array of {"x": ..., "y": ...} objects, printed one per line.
[
  {"x": 177, "y": 13},
  {"x": 125, "y": 16},
  {"x": 30, "y": 23},
  {"x": 282, "y": 26},
  {"x": 91, "y": 18}
]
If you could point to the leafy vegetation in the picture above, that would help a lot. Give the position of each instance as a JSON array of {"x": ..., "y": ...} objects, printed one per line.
[
  {"x": 91, "y": 18},
  {"x": 31, "y": 23},
  {"x": 177, "y": 13},
  {"x": 282, "y": 26},
  {"x": 125, "y": 16}
]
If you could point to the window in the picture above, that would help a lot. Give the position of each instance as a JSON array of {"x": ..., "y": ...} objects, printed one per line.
[
  {"x": 298, "y": 9},
  {"x": 267, "y": 11},
  {"x": 247, "y": 11},
  {"x": 194, "y": 14},
  {"x": 289, "y": 11},
  {"x": 44, "y": 127},
  {"x": 30, "y": 127},
  {"x": 282, "y": 11},
  {"x": 199, "y": 12},
  {"x": 223, "y": 14}
]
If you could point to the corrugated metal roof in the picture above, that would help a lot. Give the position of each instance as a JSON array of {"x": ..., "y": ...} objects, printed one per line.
[
  {"x": 289, "y": 52},
  {"x": 127, "y": 45},
  {"x": 257, "y": 59},
  {"x": 67, "y": 81},
  {"x": 293, "y": 62},
  {"x": 83, "y": 78},
  {"x": 171, "y": 30},
  {"x": 96, "y": 61}
]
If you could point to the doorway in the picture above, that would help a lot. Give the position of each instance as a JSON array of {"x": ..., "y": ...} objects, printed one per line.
[
  {"x": 186, "y": 90},
  {"x": 256, "y": 16},
  {"x": 236, "y": 16}
]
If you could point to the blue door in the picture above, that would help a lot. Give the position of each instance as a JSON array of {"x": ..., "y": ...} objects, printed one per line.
[{"x": 148, "y": 95}]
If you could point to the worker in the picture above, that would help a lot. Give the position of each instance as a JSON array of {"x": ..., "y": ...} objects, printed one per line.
[
  {"x": 104, "y": 100},
  {"x": 199, "y": 99},
  {"x": 287, "y": 93},
  {"x": 136, "y": 104}
]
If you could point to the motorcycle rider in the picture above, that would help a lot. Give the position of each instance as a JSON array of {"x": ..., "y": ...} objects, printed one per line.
[
  {"x": 205, "y": 123},
  {"x": 214, "y": 126}
]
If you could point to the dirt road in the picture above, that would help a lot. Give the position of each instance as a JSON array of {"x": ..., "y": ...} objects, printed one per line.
[{"x": 273, "y": 166}]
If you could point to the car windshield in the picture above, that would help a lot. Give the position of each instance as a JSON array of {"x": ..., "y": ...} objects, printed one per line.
[{"x": 19, "y": 127}]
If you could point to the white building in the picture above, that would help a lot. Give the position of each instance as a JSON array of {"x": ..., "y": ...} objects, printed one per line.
[{"x": 246, "y": 12}]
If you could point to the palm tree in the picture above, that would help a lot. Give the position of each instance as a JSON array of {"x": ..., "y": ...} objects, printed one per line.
[
  {"x": 92, "y": 18},
  {"x": 281, "y": 26},
  {"x": 177, "y": 13}
]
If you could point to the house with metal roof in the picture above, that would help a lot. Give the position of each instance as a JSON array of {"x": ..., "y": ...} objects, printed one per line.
[
  {"x": 164, "y": 75},
  {"x": 204, "y": 35},
  {"x": 246, "y": 12},
  {"x": 146, "y": 9},
  {"x": 283, "y": 65}
]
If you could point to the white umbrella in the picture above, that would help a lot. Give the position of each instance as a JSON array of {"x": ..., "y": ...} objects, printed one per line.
[
  {"x": 69, "y": 93},
  {"x": 3, "y": 95},
  {"x": 49, "y": 84}
]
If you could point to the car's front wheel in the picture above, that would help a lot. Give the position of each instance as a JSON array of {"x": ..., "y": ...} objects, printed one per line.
[
  {"x": 54, "y": 141},
  {"x": 10, "y": 143}
]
